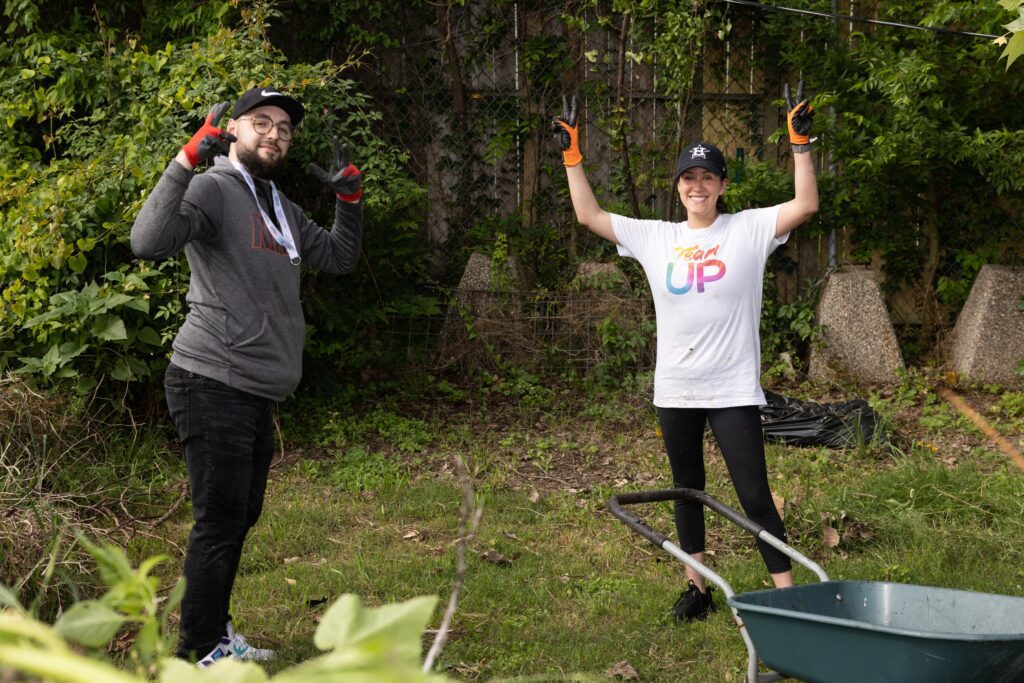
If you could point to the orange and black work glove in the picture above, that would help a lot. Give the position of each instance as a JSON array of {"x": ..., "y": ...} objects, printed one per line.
[
  {"x": 799, "y": 118},
  {"x": 567, "y": 133},
  {"x": 345, "y": 180},
  {"x": 209, "y": 141}
]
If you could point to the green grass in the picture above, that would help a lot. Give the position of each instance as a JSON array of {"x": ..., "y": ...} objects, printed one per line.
[
  {"x": 574, "y": 590},
  {"x": 368, "y": 503}
]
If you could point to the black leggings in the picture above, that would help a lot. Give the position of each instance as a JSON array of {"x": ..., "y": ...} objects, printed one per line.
[{"x": 738, "y": 433}]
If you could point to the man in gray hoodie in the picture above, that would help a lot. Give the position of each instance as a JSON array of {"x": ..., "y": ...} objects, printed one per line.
[{"x": 239, "y": 351}]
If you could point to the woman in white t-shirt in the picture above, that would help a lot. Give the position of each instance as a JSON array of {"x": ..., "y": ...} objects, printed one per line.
[{"x": 706, "y": 279}]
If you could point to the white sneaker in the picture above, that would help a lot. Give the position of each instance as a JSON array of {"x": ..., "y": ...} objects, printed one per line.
[
  {"x": 240, "y": 648},
  {"x": 235, "y": 646},
  {"x": 221, "y": 651}
]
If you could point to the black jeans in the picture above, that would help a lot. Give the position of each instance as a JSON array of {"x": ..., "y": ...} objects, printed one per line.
[
  {"x": 227, "y": 436},
  {"x": 739, "y": 436}
]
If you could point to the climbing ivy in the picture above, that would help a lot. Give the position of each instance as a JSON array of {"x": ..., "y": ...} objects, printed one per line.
[{"x": 97, "y": 101}]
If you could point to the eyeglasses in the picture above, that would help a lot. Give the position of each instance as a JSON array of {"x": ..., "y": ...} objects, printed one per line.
[{"x": 264, "y": 124}]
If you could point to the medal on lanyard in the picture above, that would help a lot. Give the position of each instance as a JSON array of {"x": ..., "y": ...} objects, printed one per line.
[{"x": 282, "y": 235}]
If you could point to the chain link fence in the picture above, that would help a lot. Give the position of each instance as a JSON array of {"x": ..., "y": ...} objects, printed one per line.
[{"x": 471, "y": 101}]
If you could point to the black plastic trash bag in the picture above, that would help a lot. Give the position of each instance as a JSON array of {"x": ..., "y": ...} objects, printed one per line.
[{"x": 836, "y": 425}]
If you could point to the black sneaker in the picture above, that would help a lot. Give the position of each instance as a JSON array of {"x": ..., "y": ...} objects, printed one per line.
[{"x": 692, "y": 604}]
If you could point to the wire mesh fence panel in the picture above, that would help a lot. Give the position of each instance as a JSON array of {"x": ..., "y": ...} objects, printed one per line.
[
  {"x": 571, "y": 332},
  {"x": 470, "y": 94}
]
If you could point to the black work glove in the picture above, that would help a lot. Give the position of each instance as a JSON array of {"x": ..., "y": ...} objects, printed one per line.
[
  {"x": 567, "y": 132},
  {"x": 345, "y": 180},
  {"x": 210, "y": 140}
]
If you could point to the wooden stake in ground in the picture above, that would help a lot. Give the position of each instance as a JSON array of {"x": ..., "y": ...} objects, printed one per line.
[{"x": 981, "y": 423}]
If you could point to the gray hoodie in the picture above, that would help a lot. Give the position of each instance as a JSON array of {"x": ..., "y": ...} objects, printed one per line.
[{"x": 245, "y": 326}]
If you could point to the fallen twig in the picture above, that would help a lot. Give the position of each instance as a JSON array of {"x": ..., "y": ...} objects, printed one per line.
[
  {"x": 982, "y": 424},
  {"x": 469, "y": 521}
]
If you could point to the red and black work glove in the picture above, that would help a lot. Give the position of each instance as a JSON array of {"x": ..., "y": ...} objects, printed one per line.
[
  {"x": 345, "y": 180},
  {"x": 209, "y": 141},
  {"x": 799, "y": 118},
  {"x": 567, "y": 133}
]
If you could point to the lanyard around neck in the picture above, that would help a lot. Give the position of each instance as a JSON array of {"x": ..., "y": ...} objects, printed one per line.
[{"x": 282, "y": 235}]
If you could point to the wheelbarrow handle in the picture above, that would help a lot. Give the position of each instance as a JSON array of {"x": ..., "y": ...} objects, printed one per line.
[
  {"x": 615, "y": 504},
  {"x": 634, "y": 522}
]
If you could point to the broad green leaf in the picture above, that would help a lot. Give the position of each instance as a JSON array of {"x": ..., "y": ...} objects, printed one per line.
[
  {"x": 78, "y": 262},
  {"x": 146, "y": 640},
  {"x": 49, "y": 315},
  {"x": 224, "y": 671},
  {"x": 111, "y": 559},
  {"x": 1014, "y": 48},
  {"x": 337, "y": 668},
  {"x": 86, "y": 384},
  {"x": 138, "y": 304},
  {"x": 149, "y": 563},
  {"x": 121, "y": 372},
  {"x": 340, "y": 620},
  {"x": 89, "y": 623},
  {"x": 1015, "y": 26},
  {"x": 60, "y": 664},
  {"x": 109, "y": 328},
  {"x": 396, "y": 628},
  {"x": 16, "y": 627},
  {"x": 173, "y": 600},
  {"x": 70, "y": 350},
  {"x": 51, "y": 359},
  {"x": 147, "y": 335},
  {"x": 9, "y": 600},
  {"x": 137, "y": 368},
  {"x": 115, "y": 300}
]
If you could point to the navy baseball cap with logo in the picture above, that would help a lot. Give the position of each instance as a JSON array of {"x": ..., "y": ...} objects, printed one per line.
[
  {"x": 701, "y": 155},
  {"x": 267, "y": 96}
]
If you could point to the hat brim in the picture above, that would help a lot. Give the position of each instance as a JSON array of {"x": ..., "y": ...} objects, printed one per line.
[
  {"x": 290, "y": 105},
  {"x": 699, "y": 163}
]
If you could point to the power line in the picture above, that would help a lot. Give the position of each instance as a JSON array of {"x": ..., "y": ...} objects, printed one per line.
[{"x": 850, "y": 18}]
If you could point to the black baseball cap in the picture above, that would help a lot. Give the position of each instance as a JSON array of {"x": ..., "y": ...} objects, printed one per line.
[
  {"x": 267, "y": 96},
  {"x": 701, "y": 155}
]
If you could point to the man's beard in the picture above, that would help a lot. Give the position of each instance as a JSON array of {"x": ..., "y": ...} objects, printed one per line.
[{"x": 257, "y": 165}]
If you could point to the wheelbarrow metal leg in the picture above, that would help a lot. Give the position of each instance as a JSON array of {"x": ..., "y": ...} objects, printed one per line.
[
  {"x": 709, "y": 574},
  {"x": 615, "y": 505}
]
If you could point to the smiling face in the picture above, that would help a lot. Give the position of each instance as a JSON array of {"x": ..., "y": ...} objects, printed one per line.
[
  {"x": 700, "y": 190},
  {"x": 261, "y": 153}
]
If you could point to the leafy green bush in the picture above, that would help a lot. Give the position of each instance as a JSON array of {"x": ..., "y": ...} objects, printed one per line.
[
  {"x": 786, "y": 327},
  {"x": 359, "y": 643},
  {"x": 94, "y": 114}
]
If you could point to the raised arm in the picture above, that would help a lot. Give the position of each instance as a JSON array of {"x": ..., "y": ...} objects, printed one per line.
[
  {"x": 338, "y": 251},
  {"x": 804, "y": 203},
  {"x": 588, "y": 212},
  {"x": 166, "y": 223}
]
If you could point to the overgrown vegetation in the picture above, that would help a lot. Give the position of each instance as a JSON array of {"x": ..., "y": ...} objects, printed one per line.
[
  {"x": 555, "y": 584},
  {"x": 926, "y": 152},
  {"x": 100, "y": 97},
  {"x": 360, "y": 644},
  {"x": 98, "y": 102}
]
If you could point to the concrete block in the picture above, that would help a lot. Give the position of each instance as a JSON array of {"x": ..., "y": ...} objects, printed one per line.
[
  {"x": 987, "y": 342},
  {"x": 599, "y": 294},
  {"x": 858, "y": 335},
  {"x": 485, "y": 322}
]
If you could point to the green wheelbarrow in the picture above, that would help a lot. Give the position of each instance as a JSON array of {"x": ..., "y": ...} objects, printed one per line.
[{"x": 856, "y": 631}]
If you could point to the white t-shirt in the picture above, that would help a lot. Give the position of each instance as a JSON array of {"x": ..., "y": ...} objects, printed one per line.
[{"x": 706, "y": 285}]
